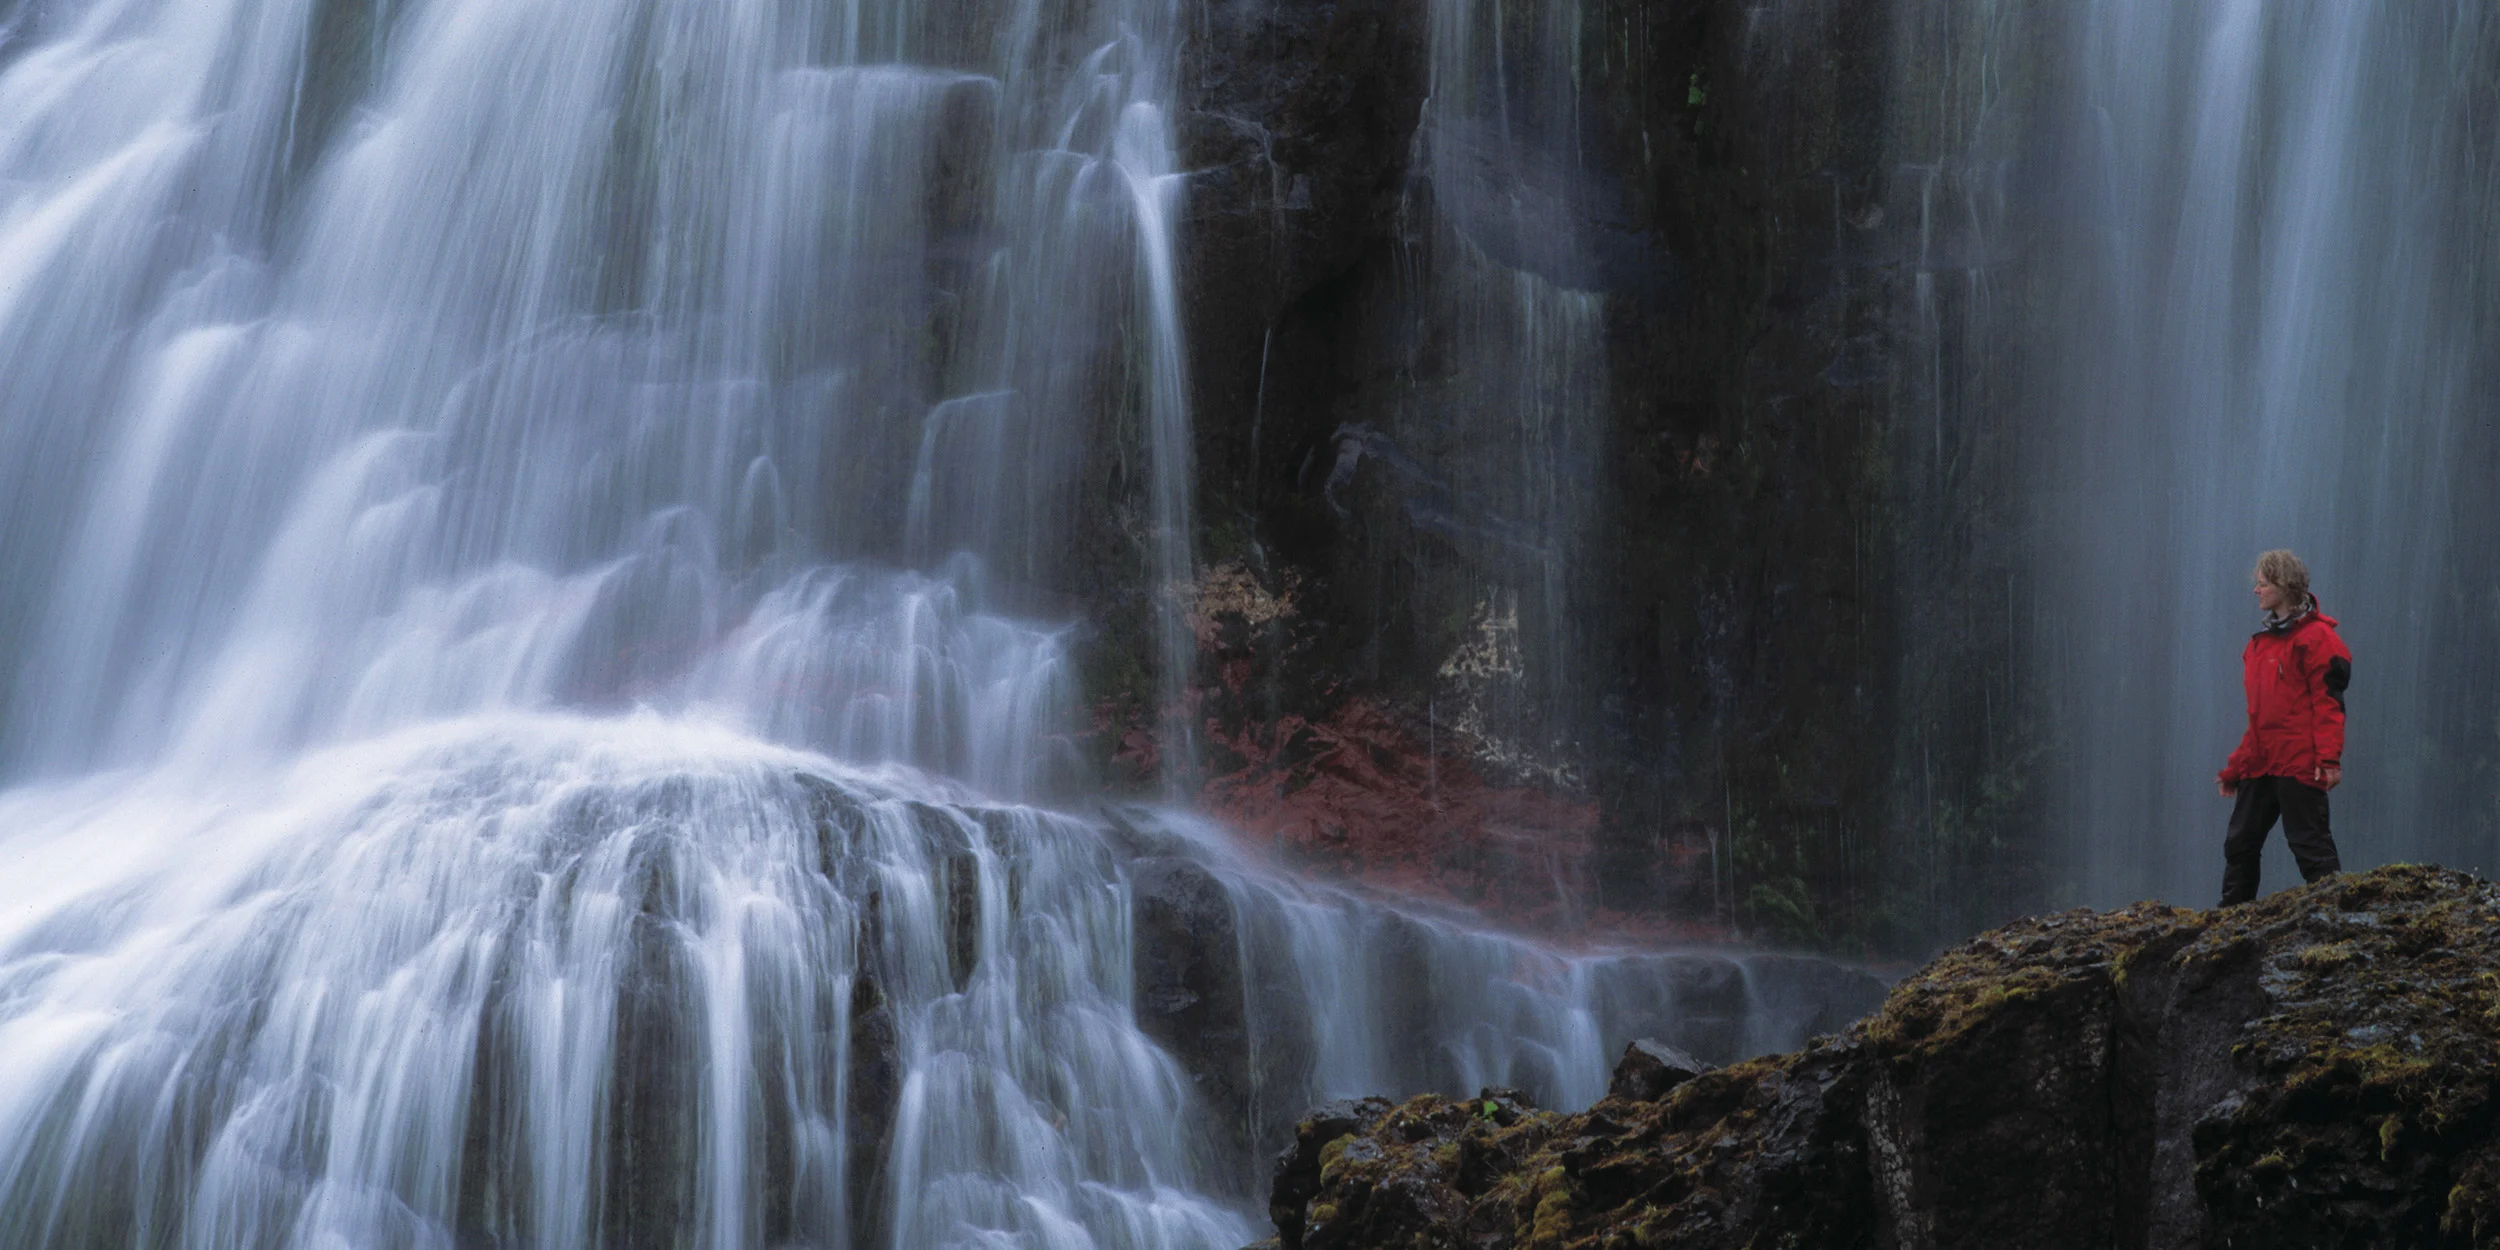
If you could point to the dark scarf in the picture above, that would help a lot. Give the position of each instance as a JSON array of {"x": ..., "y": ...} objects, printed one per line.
[{"x": 2277, "y": 622}]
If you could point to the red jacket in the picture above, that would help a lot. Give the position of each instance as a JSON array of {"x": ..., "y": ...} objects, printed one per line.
[{"x": 2295, "y": 672}]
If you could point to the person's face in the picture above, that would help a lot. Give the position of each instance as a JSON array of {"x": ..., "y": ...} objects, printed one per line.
[{"x": 2270, "y": 597}]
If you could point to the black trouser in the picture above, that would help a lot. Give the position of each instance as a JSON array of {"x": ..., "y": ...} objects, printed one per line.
[{"x": 2303, "y": 809}]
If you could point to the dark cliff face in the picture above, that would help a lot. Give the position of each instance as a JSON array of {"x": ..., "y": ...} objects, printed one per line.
[
  {"x": 1704, "y": 731},
  {"x": 2315, "y": 1070}
]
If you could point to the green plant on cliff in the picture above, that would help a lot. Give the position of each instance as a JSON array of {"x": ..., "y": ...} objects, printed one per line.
[{"x": 1781, "y": 910}]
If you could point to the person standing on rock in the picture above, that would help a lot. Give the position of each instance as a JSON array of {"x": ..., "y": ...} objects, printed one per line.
[{"x": 2295, "y": 670}]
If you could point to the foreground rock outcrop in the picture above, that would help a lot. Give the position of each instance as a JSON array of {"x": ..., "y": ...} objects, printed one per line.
[{"x": 2315, "y": 1070}]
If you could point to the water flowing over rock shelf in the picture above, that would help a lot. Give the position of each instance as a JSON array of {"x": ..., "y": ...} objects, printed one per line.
[{"x": 557, "y": 982}]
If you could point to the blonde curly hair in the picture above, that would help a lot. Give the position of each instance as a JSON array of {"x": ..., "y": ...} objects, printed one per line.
[{"x": 2284, "y": 569}]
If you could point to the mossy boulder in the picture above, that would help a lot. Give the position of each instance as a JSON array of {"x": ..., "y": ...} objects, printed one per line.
[{"x": 2314, "y": 1070}]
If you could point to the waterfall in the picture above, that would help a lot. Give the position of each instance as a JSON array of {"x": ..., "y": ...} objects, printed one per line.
[
  {"x": 2270, "y": 250},
  {"x": 567, "y": 982},
  {"x": 533, "y": 719},
  {"x": 1508, "y": 349},
  {"x": 517, "y": 355}
]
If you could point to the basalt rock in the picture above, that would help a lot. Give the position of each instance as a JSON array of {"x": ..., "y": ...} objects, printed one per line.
[
  {"x": 2321, "y": 1069},
  {"x": 1745, "y": 205},
  {"x": 1298, "y": 1169},
  {"x": 1300, "y": 117},
  {"x": 1650, "y": 1069},
  {"x": 1188, "y": 977},
  {"x": 875, "y": 1083}
]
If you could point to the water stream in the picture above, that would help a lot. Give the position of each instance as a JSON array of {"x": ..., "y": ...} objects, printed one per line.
[
  {"x": 532, "y": 719},
  {"x": 1508, "y": 290}
]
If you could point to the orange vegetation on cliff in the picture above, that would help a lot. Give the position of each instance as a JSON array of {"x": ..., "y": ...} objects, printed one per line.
[{"x": 1355, "y": 796}]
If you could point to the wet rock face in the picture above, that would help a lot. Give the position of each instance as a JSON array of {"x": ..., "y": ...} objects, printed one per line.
[
  {"x": 1300, "y": 117},
  {"x": 1187, "y": 966},
  {"x": 1758, "y": 1154},
  {"x": 1649, "y": 1069},
  {"x": 875, "y": 1079},
  {"x": 1297, "y": 1180},
  {"x": 2320, "y": 1069},
  {"x": 1734, "y": 666}
]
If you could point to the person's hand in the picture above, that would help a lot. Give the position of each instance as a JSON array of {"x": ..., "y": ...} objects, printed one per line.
[
  {"x": 2328, "y": 776},
  {"x": 2230, "y": 790}
]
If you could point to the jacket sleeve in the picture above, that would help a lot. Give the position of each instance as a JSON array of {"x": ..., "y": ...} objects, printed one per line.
[
  {"x": 2328, "y": 667},
  {"x": 2244, "y": 759}
]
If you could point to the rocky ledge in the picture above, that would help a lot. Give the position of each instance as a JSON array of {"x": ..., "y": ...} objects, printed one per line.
[{"x": 2313, "y": 1070}]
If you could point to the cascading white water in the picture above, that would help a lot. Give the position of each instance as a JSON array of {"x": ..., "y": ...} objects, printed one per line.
[
  {"x": 510, "y": 511},
  {"x": 557, "y": 983},
  {"x": 2280, "y": 319},
  {"x": 548, "y": 981},
  {"x": 580, "y": 331}
]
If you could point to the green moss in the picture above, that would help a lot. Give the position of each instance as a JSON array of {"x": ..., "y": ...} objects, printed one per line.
[
  {"x": 1550, "y": 1224},
  {"x": 1553, "y": 1220},
  {"x": 1330, "y": 1156},
  {"x": 1941, "y": 1009},
  {"x": 2327, "y": 955}
]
